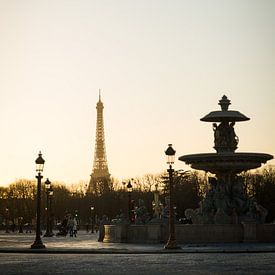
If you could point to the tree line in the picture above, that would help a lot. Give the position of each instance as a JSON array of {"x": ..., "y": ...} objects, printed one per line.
[{"x": 18, "y": 200}]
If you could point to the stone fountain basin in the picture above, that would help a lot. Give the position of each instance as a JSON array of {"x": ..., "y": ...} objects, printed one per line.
[{"x": 217, "y": 163}]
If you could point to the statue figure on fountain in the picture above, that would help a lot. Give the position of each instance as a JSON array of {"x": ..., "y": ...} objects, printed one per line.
[
  {"x": 226, "y": 202},
  {"x": 225, "y": 138},
  {"x": 141, "y": 213},
  {"x": 157, "y": 208}
]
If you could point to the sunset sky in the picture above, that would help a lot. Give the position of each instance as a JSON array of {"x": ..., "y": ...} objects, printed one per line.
[{"x": 161, "y": 66}]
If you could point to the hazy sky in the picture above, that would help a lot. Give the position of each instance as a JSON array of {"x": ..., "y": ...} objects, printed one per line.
[{"x": 161, "y": 66}]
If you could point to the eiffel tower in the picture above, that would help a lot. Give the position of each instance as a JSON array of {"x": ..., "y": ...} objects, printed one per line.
[{"x": 100, "y": 180}]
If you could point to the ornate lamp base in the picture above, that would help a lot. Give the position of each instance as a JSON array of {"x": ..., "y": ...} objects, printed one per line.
[
  {"x": 48, "y": 234},
  {"x": 38, "y": 245},
  {"x": 171, "y": 244}
]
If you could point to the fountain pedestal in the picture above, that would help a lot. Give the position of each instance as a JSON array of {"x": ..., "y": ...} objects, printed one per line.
[{"x": 250, "y": 232}]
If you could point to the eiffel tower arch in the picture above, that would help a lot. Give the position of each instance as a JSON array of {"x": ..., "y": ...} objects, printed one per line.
[{"x": 100, "y": 181}]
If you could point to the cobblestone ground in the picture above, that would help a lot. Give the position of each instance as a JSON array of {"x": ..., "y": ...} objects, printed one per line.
[
  {"x": 129, "y": 262},
  {"x": 202, "y": 263}
]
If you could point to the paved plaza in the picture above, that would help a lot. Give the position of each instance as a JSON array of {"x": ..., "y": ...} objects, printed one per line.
[{"x": 84, "y": 255}]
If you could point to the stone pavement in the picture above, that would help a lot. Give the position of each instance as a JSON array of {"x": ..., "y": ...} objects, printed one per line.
[
  {"x": 84, "y": 255},
  {"x": 86, "y": 243}
]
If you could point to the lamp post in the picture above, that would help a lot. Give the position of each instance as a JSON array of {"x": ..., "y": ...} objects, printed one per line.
[
  {"x": 171, "y": 243},
  {"x": 7, "y": 220},
  {"x": 39, "y": 168},
  {"x": 20, "y": 223},
  {"x": 92, "y": 218},
  {"x": 49, "y": 193},
  {"x": 50, "y": 210},
  {"x": 129, "y": 188}
]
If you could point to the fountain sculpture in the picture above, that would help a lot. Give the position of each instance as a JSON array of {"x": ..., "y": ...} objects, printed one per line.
[{"x": 226, "y": 201}]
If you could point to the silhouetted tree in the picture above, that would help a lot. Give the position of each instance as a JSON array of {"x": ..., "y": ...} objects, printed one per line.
[
  {"x": 19, "y": 198},
  {"x": 189, "y": 188},
  {"x": 261, "y": 186}
]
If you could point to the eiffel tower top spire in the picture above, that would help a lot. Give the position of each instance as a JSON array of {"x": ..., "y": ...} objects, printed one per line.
[
  {"x": 100, "y": 177},
  {"x": 99, "y": 104}
]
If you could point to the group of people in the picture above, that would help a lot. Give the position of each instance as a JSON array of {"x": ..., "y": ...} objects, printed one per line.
[
  {"x": 72, "y": 226},
  {"x": 68, "y": 225}
]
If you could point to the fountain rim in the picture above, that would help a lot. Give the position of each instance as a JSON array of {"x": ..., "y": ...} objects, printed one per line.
[
  {"x": 226, "y": 161},
  {"x": 229, "y": 115},
  {"x": 227, "y": 156}
]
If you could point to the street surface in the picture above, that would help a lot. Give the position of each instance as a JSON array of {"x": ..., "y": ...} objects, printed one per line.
[
  {"x": 84, "y": 255},
  {"x": 201, "y": 263}
]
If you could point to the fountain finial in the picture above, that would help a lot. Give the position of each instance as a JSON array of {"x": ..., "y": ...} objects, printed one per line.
[
  {"x": 224, "y": 103},
  {"x": 224, "y": 114}
]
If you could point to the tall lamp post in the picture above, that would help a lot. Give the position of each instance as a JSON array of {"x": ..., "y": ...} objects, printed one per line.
[
  {"x": 92, "y": 219},
  {"x": 51, "y": 209},
  {"x": 129, "y": 188},
  {"x": 49, "y": 194},
  {"x": 171, "y": 243},
  {"x": 7, "y": 220},
  {"x": 39, "y": 168}
]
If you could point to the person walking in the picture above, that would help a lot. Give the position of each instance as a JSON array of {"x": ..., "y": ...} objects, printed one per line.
[
  {"x": 71, "y": 226},
  {"x": 74, "y": 227}
]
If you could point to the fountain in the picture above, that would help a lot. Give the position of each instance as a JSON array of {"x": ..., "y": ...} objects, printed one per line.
[
  {"x": 226, "y": 214},
  {"x": 226, "y": 201}
]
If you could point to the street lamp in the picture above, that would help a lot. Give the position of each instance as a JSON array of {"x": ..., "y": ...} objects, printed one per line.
[
  {"x": 50, "y": 209},
  {"x": 171, "y": 243},
  {"x": 49, "y": 194},
  {"x": 129, "y": 188},
  {"x": 39, "y": 168},
  {"x": 7, "y": 220},
  {"x": 92, "y": 218}
]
